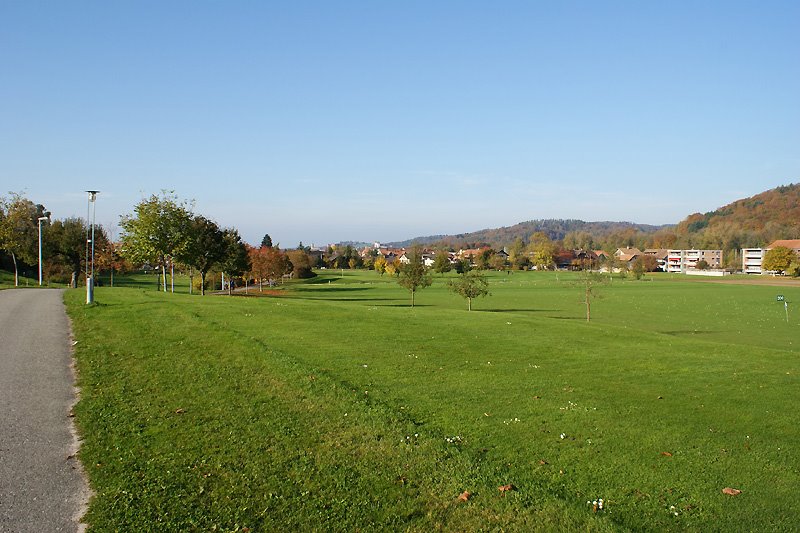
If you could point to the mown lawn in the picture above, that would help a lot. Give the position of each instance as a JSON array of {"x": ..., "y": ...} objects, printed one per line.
[{"x": 335, "y": 406}]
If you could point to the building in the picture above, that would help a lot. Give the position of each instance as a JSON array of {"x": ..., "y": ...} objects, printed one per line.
[
  {"x": 661, "y": 257},
  {"x": 683, "y": 260},
  {"x": 753, "y": 258}
]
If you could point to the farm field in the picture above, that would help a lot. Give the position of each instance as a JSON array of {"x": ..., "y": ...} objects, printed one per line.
[{"x": 333, "y": 405}]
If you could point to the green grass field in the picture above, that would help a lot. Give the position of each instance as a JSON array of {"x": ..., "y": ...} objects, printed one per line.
[{"x": 335, "y": 406}]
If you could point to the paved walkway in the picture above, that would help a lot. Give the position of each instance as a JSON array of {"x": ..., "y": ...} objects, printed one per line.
[{"x": 41, "y": 488}]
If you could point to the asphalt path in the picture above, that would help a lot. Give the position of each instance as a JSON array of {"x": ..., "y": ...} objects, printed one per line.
[{"x": 41, "y": 486}]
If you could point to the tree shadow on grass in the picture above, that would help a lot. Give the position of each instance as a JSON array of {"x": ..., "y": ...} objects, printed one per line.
[
  {"x": 517, "y": 310},
  {"x": 344, "y": 299},
  {"x": 333, "y": 289},
  {"x": 406, "y": 305},
  {"x": 689, "y": 332}
]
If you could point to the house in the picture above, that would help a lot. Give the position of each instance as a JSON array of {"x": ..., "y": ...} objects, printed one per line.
[
  {"x": 627, "y": 255},
  {"x": 564, "y": 259}
]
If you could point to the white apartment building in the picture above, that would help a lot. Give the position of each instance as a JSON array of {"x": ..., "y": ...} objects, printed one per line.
[
  {"x": 683, "y": 260},
  {"x": 752, "y": 259}
]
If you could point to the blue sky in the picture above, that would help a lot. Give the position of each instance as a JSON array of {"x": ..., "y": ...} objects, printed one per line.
[{"x": 329, "y": 121}]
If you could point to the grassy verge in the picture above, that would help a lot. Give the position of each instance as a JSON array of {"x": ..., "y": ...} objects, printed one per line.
[{"x": 338, "y": 407}]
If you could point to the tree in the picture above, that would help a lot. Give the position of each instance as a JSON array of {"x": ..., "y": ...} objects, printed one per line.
[
  {"x": 779, "y": 259},
  {"x": 542, "y": 249},
  {"x": 65, "y": 245},
  {"x": 266, "y": 242},
  {"x": 393, "y": 267},
  {"x": 157, "y": 231},
  {"x": 462, "y": 265},
  {"x": 498, "y": 262},
  {"x": 469, "y": 285},
  {"x": 701, "y": 265},
  {"x": 235, "y": 261},
  {"x": 591, "y": 283},
  {"x": 441, "y": 262},
  {"x": 380, "y": 265},
  {"x": 204, "y": 247},
  {"x": 301, "y": 264},
  {"x": 19, "y": 231},
  {"x": 413, "y": 275},
  {"x": 644, "y": 263}
]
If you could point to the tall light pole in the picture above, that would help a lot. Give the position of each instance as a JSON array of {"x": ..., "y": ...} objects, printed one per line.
[
  {"x": 90, "y": 273},
  {"x": 40, "y": 248}
]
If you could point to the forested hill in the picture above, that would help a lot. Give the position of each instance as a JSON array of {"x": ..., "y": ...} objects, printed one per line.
[
  {"x": 751, "y": 222},
  {"x": 556, "y": 230}
]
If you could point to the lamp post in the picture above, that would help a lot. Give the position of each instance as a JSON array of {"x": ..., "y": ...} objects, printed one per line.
[
  {"x": 40, "y": 248},
  {"x": 90, "y": 273}
]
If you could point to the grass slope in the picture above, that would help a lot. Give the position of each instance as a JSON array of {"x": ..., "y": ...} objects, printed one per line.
[{"x": 338, "y": 407}]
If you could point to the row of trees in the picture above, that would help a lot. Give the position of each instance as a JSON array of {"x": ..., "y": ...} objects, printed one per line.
[
  {"x": 164, "y": 232},
  {"x": 64, "y": 242}
]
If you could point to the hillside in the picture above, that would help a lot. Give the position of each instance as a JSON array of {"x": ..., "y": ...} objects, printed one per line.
[
  {"x": 556, "y": 230},
  {"x": 750, "y": 222}
]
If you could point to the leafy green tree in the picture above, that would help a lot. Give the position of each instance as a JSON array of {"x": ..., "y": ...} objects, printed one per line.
[
  {"x": 204, "y": 247},
  {"x": 702, "y": 265},
  {"x": 441, "y": 262},
  {"x": 157, "y": 231},
  {"x": 19, "y": 230},
  {"x": 235, "y": 261},
  {"x": 64, "y": 245},
  {"x": 266, "y": 242},
  {"x": 413, "y": 275},
  {"x": 469, "y": 285},
  {"x": 779, "y": 259},
  {"x": 462, "y": 265}
]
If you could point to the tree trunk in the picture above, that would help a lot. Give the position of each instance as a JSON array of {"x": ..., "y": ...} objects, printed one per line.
[
  {"x": 588, "y": 307},
  {"x": 412, "y": 298},
  {"x": 202, "y": 283},
  {"x": 112, "y": 276},
  {"x": 171, "y": 277},
  {"x": 469, "y": 304},
  {"x": 73, "y": 283},
  {"x": 16, "y": 274},
  {"x": 164, "y": 273}
]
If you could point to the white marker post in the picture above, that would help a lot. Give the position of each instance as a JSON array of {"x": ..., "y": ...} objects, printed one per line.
[{"x": 780, "y": 298}]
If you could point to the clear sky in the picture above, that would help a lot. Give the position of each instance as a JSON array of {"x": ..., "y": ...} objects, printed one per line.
[{"x": 324, "y": 121}]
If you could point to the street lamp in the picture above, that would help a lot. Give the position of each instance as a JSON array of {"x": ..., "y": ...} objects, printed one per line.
[
  {"x": 90, "y": 273},
  {"x": 40, "y": 247}
]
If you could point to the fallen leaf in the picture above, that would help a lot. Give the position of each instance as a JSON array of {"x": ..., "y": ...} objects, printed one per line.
[
  {"x": 506, "y": 488},
  {"x": 537, "y": 397},
  {"x": 666, "y": 454},
  {"x": 542, "y": 462},
  {"x": 731, "y": 491},
  {"x": 464, "y": 496},
  {"x": 179, "y": 411}
]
